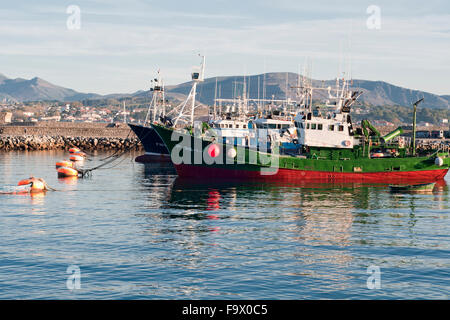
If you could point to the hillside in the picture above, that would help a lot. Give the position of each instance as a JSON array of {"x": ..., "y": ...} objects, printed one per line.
[
  {"x": 277, "y": 85},
  {"x": 37, "y": 89}
]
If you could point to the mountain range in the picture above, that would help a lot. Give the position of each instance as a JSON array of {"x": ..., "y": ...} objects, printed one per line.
[
  {"x": 277, "y": 85},
  {"x": 37, "y": 89}
]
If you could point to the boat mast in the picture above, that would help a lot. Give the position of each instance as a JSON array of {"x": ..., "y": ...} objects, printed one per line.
[
  {"x": 215, "y": 101},
  {"x": 124, "y": 113},
  {"x": 157, "y": 87},
  {"x": 414, "y": 126},
  {"x": 197, "y": 76}
]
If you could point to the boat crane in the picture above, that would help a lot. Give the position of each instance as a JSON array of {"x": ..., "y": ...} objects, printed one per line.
[{"x": 197, "y": 76}]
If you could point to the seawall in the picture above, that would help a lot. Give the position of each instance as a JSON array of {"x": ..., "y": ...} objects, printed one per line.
[{"x": 64, "y": 135}]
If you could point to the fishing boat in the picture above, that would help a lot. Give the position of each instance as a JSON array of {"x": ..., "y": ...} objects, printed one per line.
[
  {"x": 154, "y": 147},
  {"x": 413, "y": 188},
  {"x": 329, "y": 149}
]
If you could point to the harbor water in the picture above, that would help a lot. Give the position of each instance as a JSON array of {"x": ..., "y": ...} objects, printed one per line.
[{"x": 135, "y": 231}]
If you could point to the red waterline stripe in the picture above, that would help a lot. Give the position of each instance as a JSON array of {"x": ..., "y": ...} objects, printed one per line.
[{"x": 205, "y": 172}]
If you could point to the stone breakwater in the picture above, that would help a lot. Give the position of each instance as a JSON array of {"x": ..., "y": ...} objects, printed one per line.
[
  {"x": 59, "y": 135},
  {"x": 9, "y": 143}
]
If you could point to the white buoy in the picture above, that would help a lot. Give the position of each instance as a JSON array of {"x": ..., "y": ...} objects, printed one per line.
[
  {"x": 438, "y": 161},
  {"x": 231, "y": 153}
]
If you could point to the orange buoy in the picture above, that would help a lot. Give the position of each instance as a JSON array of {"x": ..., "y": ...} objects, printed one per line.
[
  {"x": 64, "y": 163},
  {"x": 78, "y": 154},
  {"x": 76, "y": 157},
  {"x": 36, "y": 184},
  {"x": 73, "y": 150},
  {"x": 67, "y": 172}
]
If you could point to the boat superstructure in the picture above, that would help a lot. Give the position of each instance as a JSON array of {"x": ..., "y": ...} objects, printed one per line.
[{"x": 331, "y": 127}]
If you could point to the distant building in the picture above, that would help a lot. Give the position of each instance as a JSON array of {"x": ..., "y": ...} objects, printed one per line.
[
  {"x": 5, "y": 117},
  {"x": 54, "y": 118}
]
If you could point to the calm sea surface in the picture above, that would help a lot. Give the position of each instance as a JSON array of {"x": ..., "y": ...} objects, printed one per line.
[{"x": 138, "y": 232}]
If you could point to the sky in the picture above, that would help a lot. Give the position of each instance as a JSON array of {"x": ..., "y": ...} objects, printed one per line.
[{"x": 118, "y": 46}]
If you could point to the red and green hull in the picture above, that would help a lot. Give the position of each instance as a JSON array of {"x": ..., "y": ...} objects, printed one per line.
[{"x": 253, "y": 165}]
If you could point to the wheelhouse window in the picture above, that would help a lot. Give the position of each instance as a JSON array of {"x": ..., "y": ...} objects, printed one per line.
[
  {"x": 313, "y": 126},
  {"x": 307, "y": 126},
  {"x": 319, "y": 126},
  {"x": 331, "y": 127},
  {"x": 341, "y": 128}
]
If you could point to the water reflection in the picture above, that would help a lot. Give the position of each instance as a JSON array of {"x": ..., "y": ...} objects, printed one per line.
[
  {"x": 438, "y": 198},
  {"x": 158, "y": 169},
  {"x": 71, "y": 181},
  {"x": 323, "y": 215}
]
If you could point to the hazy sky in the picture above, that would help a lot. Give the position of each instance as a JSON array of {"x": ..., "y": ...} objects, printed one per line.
[{"x": 121, "y": 44}]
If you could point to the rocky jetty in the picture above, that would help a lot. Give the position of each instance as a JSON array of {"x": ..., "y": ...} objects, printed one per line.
[{"x": 28, "y": 142}]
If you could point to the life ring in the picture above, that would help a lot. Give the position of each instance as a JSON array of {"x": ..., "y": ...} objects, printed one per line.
[{"x": 347, "y": 143}]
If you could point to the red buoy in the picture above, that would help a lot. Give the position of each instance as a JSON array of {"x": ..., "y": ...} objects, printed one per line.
[{"x": 213, "y": 150}]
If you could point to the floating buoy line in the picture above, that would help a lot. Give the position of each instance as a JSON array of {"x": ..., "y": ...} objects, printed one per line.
[{"x": 68, "y": 169}]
